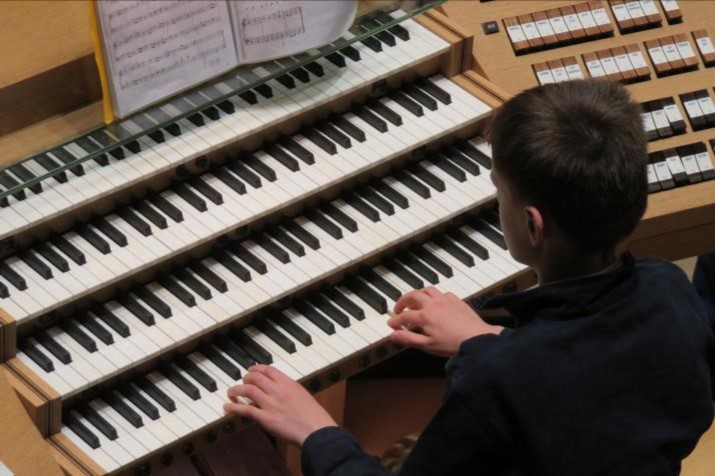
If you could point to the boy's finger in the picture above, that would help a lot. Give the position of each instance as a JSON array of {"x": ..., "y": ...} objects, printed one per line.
[
  {"x": 432, "y": 292},
  {"x": 251, "y": 392},
  {"x": 260, "y": 380},
  {"x": 413, "y": 300},
  {"x": 243, "y": 410},
  {"x": 270, "y": 372},
  {"x": 409, "y": 339},
  {"x": 406, "y": 319}
]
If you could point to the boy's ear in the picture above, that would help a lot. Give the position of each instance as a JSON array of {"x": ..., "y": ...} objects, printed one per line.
[{"x": 534, "y": 225}]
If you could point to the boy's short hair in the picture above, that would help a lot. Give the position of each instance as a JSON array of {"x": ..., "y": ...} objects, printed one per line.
[{"x": 576, "y": 150}]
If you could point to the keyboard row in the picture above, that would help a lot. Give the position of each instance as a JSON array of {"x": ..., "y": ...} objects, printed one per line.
[
  {"x": 189, "y": 213},
  {"x": 244, "y": 275},
  {"x": 336, "y": 75},
  {"x": 339, "y": 323}
]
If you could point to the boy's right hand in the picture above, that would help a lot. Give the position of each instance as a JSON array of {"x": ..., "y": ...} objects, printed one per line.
[{"x": 435, "y": 322}]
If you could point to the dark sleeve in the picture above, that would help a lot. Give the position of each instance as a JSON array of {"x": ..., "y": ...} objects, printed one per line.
[{"x": 333, "y": 451}]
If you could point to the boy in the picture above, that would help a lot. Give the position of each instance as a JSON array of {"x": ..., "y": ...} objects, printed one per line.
[{"x": 608, "y": 367}]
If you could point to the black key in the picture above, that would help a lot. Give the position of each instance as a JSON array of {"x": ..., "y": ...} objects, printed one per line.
[
  {"x": 492, "y": 217},
  {"x": 209, "y": 276},
  {"x": 478, "y": 250},
  {"x": 335, "y": 135},
  {"x": 292, "y": 328},
  {"x": 434, "y": 261},
  {"x": 440, "y": 94},
  {"x": 405, "y": 274},
  {"x": 234, "y": 266},
  {"x": 88, "y": 233},
  {"x": 180, "y": 381},
  {"x": 157, "y": 394},
  {"x": 110, "y": 230},
  {"x": 249, "y": 97},
  {"x": 31, "y": 259},
  {"x": 371, "y": 118},
  {"x": 96, "y": 329},
  {"x": 298, "y": 150},
  {"x": 264, "y": 90},
  {"x": 300, "y": 74},
  {"x": 90, "y": 147},
  {"x": 196, "y": 373},
  {"x": 215, "y": 356},
  {"x": 316, "y": 318},
  {"x": 133, "y": 146},
  {"x": 418, "y": 267},
  {"x": 157, "y": 136},
  {"x": 286, "y": 81},
  {"x": 196, "y": 119},
  {"x": 335, "y": 314},
  {"x": 123, "y": 409},
  {"x": 140, "y": 401},
  {"x": 283, "y": 157},
  {"x": 80, "y": 430},
  {"x": 211, "y": 112},
  {"x": 179, "y": 292},
  {"x": 351, "y": 52},
  {"x": 380, "y": 283},
  {"x": 337, "y": 59},
  {"x": 320, "y": 140},
  {"x": 325, "y": 224},
  {"x": 428, "y": 177},
  {"x": 264, "y": 170},
  {"x": 287, "y": 241},
  {"x": 406, "y": 102},
  {"x": 154, "y": 302},
  {"x": 385, "y": 111},
  {"x": 462, "y": 160},
  {"x": 38, "y": 356},
  {"x": 150, "y": 214},
  {"x": 49, "y": 164},
  {"x": 226, "y": 106},
  {"x": 230, "y": 180},
  {"x": 25, "y": 175},
  {"x": 67, "y": 158},
  {"x": 55, "y": 348},
  {"x": 361, "y": 206},
  {"x": 449, "y": 168},
  {"x": 473, "y": 153},
  {"x": 91, "y": 415},
  {"x": 333, "y": 212},
  {"x": 493, "y": 235},
  {"x": 10, "y": 275},
  {"x": 302, "y": 234},
  {"x": 349, "y": 128},
  {"x": 9, "y": 182},
  {"x": 254, "y": 349},
  {"x": 194, "y": 284},
  {"x": 397, "y": 30},
  {"x": 393, "y": 195},
  {"x": 190, "y": 196},
  {"x": 421, "y": 97},
  {"x": 207, "y": 190},
  {"x": 80, "y": 336},
  {"x": 135, "y": 221},
  {"x": 346, "y": 304},
  {"x": 236, "y": 353},
  {"x": 111, "y": 320},
  {"x": 166, "y": 207},
  {"x": 137, "y": 309},
  {"x": 273, "y": 249},
  {"x": 372, "y": 43},
  {"x": 384, "y": 36},
  {"x": 276, "y": 336},
  {"x": 373, "y": 299},
  {"x": 415, "y": 185},
  {"x": 249, "y": 258},
  {"x": 69, "y": 249},
  {"x": 103, "y": 139},
  {"x": 4, "y": 291},
  {"x": 249, "y": 176},
  {"x": 376, "y": 200},
  {"x": 315, "y": 68}
]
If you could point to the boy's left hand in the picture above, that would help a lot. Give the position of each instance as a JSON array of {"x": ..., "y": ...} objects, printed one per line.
[{"x": 282, "y": 406}]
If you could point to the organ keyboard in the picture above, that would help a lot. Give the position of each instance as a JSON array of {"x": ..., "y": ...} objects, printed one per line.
[{"x": 273, "y": 215}]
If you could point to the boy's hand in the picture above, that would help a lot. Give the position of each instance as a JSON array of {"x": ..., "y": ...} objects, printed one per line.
[
  {"x": 435, "y": 322},
  {"x": 282, "y": 406}
]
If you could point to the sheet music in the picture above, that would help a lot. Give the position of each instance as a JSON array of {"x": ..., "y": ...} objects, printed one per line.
[
  {"x": 268, "y": 29},
  {"x": 156, "y": 49}
]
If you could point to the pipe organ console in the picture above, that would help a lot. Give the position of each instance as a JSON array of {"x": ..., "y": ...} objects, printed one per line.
[{"x": 273, "y": 215}]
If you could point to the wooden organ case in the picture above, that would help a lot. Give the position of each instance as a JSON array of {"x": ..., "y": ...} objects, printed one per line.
[{"x": 147, "y": 263}]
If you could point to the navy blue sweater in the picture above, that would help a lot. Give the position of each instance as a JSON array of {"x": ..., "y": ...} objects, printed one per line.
[{"x": 609, "y": 374}]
